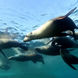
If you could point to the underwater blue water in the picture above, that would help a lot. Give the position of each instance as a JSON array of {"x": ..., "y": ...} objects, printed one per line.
[{"x": 22, "y": 16}]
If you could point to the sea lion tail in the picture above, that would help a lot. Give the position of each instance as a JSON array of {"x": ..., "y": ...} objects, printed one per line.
[
  {"x": 70, "y": 12},
  {"x": 68, "y": 58}
]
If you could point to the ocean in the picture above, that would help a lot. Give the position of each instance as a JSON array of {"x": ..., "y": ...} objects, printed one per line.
[{"x": 18, "y": 17}]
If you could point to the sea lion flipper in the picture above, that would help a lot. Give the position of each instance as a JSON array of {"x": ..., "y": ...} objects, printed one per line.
[
  {"x": 50, "y": 40},
  {"x": 70, "y": 12},
  {"x": 10, "y": 57},
  {"x": 3, "y": 53},
  {"x": 72, "y": 66},
  {"x": 68, "y": 58},
  {"x": 74, "y": 35},
  {"x": 74, "y": 59}
]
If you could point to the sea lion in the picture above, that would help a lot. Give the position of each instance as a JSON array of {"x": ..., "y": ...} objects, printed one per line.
[
  {"x": 4, "y": 44},
  {"x": 65, "y": 54},
  {"x": 48, "y": 50},
  {"x": 30, "y": 57},
  {"x": 65, "y": 42},
  {"x": 54, "y": 27},
  {"x": 7, "y": 42},
  {"x": 11, "y": 44}
]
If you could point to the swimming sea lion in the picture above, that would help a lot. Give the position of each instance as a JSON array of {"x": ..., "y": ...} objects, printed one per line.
[
  {"x": 7, "y": 42},
  {"x": 53, "y": 51},
  {"x": 30, "y": 57},
  {"x": 54, "y": 27},
  {"x": 4, "y": 44},
  {"x": 48, "y": 50},
  {"x": 65, "y": 42}
]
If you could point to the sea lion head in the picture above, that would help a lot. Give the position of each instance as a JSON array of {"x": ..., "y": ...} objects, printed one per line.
[{"x": 29, "y": 36}]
